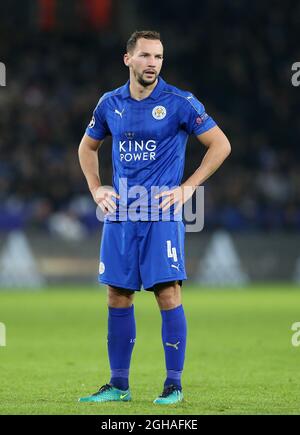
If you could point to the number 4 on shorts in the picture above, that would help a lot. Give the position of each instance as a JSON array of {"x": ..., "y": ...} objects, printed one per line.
[{"x": 171, "y": 251}]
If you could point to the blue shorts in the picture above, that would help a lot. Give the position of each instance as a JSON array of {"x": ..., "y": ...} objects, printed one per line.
[{"x": 135, "y": 254}]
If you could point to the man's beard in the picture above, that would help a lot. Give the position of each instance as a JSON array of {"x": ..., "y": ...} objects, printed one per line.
[{"x": 144, "y": 82}]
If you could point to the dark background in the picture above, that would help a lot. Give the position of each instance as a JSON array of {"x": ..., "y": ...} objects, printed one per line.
[{"x": 235, "y": 56}]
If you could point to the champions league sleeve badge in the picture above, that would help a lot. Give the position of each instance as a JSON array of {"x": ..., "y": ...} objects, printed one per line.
[{"x": 92, "y": 122}]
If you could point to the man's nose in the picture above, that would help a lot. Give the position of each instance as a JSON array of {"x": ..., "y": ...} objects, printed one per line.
[{"x": 152, "y": 61}]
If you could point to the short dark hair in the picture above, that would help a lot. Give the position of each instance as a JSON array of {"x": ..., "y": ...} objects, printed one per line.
[{"x": 138, "y": 34}]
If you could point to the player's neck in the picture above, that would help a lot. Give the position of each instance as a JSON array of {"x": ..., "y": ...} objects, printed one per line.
[{"x": 139, "y": 92}]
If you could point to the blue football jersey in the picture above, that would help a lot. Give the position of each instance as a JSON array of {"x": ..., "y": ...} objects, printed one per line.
[{"x": 148, "y": 140}]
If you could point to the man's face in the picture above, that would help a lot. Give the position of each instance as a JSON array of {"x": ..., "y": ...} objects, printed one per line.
[{"x": 145, "y": 61}]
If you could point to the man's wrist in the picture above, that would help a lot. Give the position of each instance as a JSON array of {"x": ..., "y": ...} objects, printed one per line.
[
  {"x": 94, "y": 187},
  {"x": 190, "y": 186}
]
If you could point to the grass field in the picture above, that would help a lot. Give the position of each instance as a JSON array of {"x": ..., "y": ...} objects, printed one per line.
[{"x": 239, "y": 359}]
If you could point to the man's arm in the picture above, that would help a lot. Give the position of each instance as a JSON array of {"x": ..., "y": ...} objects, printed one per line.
[
  {"x": 88, "y": 158},
  {"x": 218, "y": 149}
]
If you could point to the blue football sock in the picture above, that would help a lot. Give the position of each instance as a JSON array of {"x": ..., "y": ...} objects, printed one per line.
[
  {"x": 174, "y": 332},
  {"x": 120, "y": 342}
]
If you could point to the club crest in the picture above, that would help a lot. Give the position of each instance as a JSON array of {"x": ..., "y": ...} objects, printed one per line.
[{"x": 159, "y": 112}]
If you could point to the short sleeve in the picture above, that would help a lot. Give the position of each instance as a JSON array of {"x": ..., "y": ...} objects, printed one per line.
[
  {"x": 97, "y": 128},
  {"x": 195, "y": 119}
]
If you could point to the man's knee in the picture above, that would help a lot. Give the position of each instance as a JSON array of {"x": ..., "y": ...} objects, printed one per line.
[
  {"x": 168, "y": 295},
  {"x": 119, "y": 298}
]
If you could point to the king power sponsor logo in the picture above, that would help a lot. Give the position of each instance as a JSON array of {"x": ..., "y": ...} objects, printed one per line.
[{"x": 133, "y": 150}]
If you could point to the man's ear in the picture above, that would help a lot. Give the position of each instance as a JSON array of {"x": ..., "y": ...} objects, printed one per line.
[{"x": 126, "y": 59}]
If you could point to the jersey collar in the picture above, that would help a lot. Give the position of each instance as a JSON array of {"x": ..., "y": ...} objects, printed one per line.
[{"x": 155, "y": 94}]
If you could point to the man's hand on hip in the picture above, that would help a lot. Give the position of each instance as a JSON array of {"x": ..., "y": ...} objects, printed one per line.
[{"x": 103, "y": 196}]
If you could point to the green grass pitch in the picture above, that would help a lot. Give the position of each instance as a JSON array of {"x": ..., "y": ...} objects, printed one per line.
[{"x": 239, "y": 360}]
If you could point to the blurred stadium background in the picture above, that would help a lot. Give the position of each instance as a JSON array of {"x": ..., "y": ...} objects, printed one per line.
[{"x": 234, "y": 56}]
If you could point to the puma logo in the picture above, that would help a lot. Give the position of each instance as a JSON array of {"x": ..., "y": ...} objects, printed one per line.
[
  {"x": 119, "y": 113},
  {"x": 175, "y": 267},
  {"x": 173, "y": 345}
]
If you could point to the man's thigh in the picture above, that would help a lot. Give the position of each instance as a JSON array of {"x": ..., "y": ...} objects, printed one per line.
[
  {"x": 161, "y": 252},
  {"x": 119, "y": 262}
]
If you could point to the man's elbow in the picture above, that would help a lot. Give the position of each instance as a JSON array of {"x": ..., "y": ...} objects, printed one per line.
[
  {"x": 80, "y": 149},
  {"x": 225, "y": 146}
]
